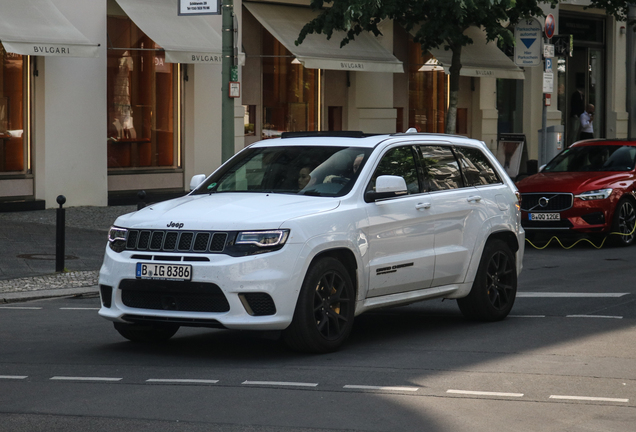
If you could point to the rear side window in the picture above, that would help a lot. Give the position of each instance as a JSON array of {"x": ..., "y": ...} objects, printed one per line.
[
  {"x": 441, "y": 170},
  {"x": 399, "y": 161},
  {"x": 476, "y": 167}
]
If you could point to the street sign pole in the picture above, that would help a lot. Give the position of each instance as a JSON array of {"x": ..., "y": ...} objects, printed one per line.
[{"x": 228, "y": 66}]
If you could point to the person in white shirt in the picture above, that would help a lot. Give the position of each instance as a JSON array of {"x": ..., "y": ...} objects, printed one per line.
[{"x": 587, "y": 119}]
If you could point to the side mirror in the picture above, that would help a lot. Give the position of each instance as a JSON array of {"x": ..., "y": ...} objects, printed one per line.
[
  {"x": 196, "y": 181},
  {"x": 387, "y": 186}
]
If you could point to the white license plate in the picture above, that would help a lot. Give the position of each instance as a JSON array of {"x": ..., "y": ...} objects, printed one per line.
[
  {"x": 544, "y": 216},
  {"x": 180, "y": 272}
]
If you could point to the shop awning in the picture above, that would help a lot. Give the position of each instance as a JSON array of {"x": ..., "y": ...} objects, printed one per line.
[
  {"x": 185, "y": 39},
  {"x": 37, "y": 27},
  {"x": 316, "y": 52},
  {"x": 481, "y": 58}
]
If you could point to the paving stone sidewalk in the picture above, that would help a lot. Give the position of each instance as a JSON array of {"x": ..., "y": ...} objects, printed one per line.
[{"x": 27, "y": 251}]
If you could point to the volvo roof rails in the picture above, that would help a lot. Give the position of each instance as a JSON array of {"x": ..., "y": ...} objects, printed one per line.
[{"x": 340, "y": 134}]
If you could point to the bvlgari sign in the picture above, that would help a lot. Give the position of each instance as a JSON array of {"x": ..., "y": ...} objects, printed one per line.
[{"x": 199, "y": 7}]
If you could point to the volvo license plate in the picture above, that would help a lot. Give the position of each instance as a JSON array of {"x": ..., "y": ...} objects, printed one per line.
[
  {"x": 544, "y": 216},
  {"x": 178, "y": 272}
]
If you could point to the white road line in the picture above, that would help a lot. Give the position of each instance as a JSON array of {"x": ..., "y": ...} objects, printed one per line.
[
  {"x": 65, "y": 378},
  {"x": 189, "y": 381},
  {"x": 594, "y": 316},
  {"x": 526, "y": 316},
  {"x": 20, "y": 307},
  {"x": 484, "y": 393},
  {"x": 364, "y": 387},
  {"x": 78, "y": 308},
  {"x": 280, "y": 383},
  {"x": 569, "y": 295},
  {"x": 588, "y": 398},
  {"x": 15, "y": 377}
]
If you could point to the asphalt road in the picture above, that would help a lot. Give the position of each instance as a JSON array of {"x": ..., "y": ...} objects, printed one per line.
[{"x": 565, "y": 360}]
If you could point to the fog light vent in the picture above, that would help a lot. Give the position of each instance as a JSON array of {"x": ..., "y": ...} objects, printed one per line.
[
  {"x": 106, "y": 293},
  {"x": 258, "y": 304}
]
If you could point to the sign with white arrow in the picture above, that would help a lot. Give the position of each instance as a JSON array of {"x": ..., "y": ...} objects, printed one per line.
[{"x": 528, "y": 41}]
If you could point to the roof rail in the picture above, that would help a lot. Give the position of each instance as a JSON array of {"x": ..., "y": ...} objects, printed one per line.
[{"x": 341, "y": 134}]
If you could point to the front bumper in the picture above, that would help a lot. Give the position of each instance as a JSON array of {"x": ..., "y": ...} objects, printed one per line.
[
  {"x": 583, "y": 216},
  {"x": 228, "y": 286}
]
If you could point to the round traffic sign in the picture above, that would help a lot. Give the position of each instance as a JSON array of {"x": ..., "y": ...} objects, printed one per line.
[{"x": 549, "y": 26}]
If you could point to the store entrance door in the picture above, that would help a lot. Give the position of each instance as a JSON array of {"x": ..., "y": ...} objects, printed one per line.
[{"x": 581, "y": 78}]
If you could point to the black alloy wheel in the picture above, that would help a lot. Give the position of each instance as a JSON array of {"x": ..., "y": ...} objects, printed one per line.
[
  {"x": 495, "y": 287},
  {"x": 624, "y": 223},
  {"x": 325, "y": 309}
]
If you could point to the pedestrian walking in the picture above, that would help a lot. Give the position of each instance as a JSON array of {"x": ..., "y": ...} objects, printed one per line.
[{"x": 587, "y": 122}]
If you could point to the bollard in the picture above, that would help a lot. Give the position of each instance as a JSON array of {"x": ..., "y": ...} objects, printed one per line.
[
  {"x": 141, "y": 197},
  {"x": 59, "y": 235}
]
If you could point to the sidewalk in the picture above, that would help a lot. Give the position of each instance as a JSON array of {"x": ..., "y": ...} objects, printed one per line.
[{"x": 27, "y": 252}]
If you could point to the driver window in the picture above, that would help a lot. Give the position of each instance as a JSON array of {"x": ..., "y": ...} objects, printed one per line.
[{"x": 398, "y": 162}]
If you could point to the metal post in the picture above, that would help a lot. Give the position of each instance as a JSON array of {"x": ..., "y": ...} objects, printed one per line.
[
  {"x": 141, "y": 200},
  {"x": 544, "y": 133},
  {"x": 60, "y": 235},
  {"x": 227, "y": 121}
]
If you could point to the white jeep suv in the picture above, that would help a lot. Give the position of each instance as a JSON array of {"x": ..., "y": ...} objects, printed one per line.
[{"x": 304, "y": 232}]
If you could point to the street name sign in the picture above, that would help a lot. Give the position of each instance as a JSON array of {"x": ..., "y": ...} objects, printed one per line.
[{"x": 528, "y": 39}]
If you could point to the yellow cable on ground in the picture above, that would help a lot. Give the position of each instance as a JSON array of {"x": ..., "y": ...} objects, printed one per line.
[{"x": 578, "y": 241}]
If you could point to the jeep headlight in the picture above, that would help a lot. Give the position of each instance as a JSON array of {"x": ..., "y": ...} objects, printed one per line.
[
  {"x": 257, "y": 242},
  {"x": 117, "y": 238},
  {"x": 595, "y": 194}
]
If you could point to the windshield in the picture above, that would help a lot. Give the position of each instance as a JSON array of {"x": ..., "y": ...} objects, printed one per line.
[
  {"x": 305, "y": 170},
  {"x": 593, "y": 158}
]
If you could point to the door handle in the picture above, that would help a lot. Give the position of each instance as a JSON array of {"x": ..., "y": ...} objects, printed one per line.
[
  {"x": 420, "y": 206},
  {"x": 474, "y": 198}
]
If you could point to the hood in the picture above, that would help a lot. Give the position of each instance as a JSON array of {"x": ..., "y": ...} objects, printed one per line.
[
  {"x": 226, "y": 211},
  {"x": 573, "y": 182}
]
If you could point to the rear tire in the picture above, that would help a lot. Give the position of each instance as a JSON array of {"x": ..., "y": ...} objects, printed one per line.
[
  {"x": 495, "y": 287},
  {"x": 325, "y": 309},
  {"x": 623, "y": 223},
  {"x": 146, "y": 333}
]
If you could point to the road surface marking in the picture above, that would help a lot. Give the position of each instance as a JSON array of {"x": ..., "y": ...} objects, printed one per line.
[
  {"x": 20, "y": 307},
  {"x": 190, "y": 381},
  {"x": 65, "y": 378},
  {"x": 569, "y": 295},
  {"x": 280, "y": 383},
  {"x": 526, "y": 316},
  {"x": 78, "y": 308},
  {"x": 15, "y": 377},
  {"x": 364, "y": 387},
  {"x": 589, "y": 398},
  {"x": 484, "y": 393},
  {"x": 594, "y": 316}
]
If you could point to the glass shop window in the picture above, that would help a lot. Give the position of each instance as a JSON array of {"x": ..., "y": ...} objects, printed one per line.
[
  {"x": 428, "y": 91},
  {"x": 13, "y": 110},
  {"x": 142, "y": 101}
]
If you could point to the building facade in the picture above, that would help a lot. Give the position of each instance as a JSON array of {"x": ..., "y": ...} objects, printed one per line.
[{"x": 120, "y": 96}]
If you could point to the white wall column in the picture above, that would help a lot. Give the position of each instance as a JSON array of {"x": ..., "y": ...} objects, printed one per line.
[{"x": 70, "y": 150}]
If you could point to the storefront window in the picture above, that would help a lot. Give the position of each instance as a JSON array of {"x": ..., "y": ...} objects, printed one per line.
[
  {"x": 141, "y": 101},
  {"x": 427, "y": 92},
  {"x": 13, "y": 140},
  {"x": 289, "y": 91}
]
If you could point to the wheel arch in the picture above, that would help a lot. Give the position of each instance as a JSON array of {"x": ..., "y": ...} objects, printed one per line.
[{"x": 347, "y": 258}]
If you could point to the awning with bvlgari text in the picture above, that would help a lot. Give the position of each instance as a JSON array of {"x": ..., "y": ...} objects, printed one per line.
[
  {"x": 185, "y": 39},
  {"x": 480, "y": 59},
  {"x": 363, "y": 54},
  {"x": 37, "y": 27}
]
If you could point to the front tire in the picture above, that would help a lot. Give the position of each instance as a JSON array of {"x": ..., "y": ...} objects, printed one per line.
[
  {"x": 495, "y": 287},
  {"x": 325, "y": 309},
  {"x": 146, "y": 333},
  {"x": 623, "y": 223}
]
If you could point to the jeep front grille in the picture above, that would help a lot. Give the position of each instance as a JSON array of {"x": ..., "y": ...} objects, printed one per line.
[
  {"x": 176, "y": 241},
  {"x": 546, "y": 201}
]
